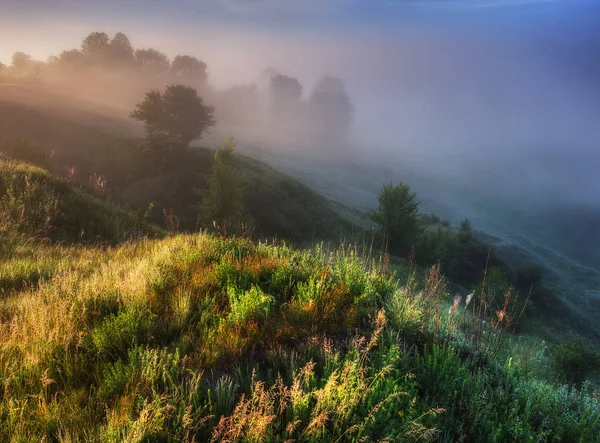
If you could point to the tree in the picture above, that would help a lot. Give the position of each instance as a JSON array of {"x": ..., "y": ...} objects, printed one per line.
[
  {"x": 71, "y": 58},
  {"x": 96, "y": 44},
  {"x": 223, "y": 203},
  {"x": 21, "y": 61},
  {"x": 574, "y": 361},
  {"x": 284, "y": 88},
  {"x": 465, "y": 233},
  {"x": 152, "y": 61},
  {"x": 331, "y": 108},
  {"x": 529, "y": 276},
  {"x": 21, "y": 148},
  {"x": 189, "y": 69},
  {"x": 120, "y": 48},
  {"x": 178, "y": 113},
  {"x": 285, "y": 98},
  {"x": 398, "y": 216}
]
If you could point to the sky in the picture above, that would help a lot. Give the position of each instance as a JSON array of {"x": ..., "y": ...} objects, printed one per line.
[
  {"x": 43, "y": 27},
  {"x": 473, "y": 78}
]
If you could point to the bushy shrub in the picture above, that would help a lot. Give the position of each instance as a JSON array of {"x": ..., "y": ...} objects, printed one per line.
[
  {"x": 574, "y": 361},
  {"x": 253, "y": 304},
  {"x": 118, "y": 333}
]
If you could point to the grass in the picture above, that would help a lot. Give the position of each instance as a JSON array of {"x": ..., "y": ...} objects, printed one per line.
[
  {"x": 34, "y": 204},
  {"x": 77, "y": 141},
  {"x": 199, "y": 338},
  {"x": 110, "y": 333}
]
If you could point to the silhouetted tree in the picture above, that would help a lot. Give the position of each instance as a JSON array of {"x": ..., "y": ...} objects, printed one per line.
[
  {"x": 529, "y": 276},
  {"x": 222, "y": 207},
  {"x": 21, "y": 148},
  {"x": 120, "y": 48},
  {"x": 152, "y": 61},
  {"x": 398, "y": 216},
  {"x": 285, "y": 95},
  {"x": 284, "y": 88},
  {"x": 465, "y": 233},
  {"x": 178, "y": 113},
  {"x": 331, "y": 107},
  {"x": 71, "y": 58},
  {"x": 96, "y": 45},
  {"x": 22, "y": 61},
  {"x": 190, "y": 70}
]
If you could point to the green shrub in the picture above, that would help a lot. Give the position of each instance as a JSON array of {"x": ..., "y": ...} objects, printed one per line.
[
  {"x": 120, "y": 332},
  {"x": 574, "y": 361},
  {"x": 253, "y": 304},
  {"x": 313, "y": 289}
]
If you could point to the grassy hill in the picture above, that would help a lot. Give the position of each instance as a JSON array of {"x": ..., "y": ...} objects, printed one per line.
[
  {"x": 197, "y": 338},
  {"x": 69, "y": 138},
  {"x": 36, "y": 204},
  {"x": 111, "y": 331}
]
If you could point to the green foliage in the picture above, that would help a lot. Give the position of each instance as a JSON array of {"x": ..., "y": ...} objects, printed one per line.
[
  {"x": 223, "y": 204},
  {"x": 200, "y": 338},
  {"x": 140, "y": 172},
  {"x": 33, "y": 204},
  {"x": 398, "y": 216},
  {"x": 461, "y": 256},
  {"x": 178, "y": 113},
  {"x": 248, "y": 305},
  {"x": 120, "y": 332},
  {"x": 574, "y": 362}
]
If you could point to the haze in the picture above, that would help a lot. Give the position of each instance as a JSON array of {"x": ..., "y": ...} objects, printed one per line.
[{"x": 498, "y": 99}]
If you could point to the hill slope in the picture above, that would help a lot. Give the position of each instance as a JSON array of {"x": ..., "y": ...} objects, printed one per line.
[
  {"x": 69, "y": 135},
  {"x": 195, "y": 338},
  {"x": 34, "y": 203}
]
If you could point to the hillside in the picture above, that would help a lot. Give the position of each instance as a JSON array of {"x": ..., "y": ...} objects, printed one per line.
[
  {"x": 196, "y": 338},
  {"x": 71, "y": 138},
  {"x": 35, "y": 204},
  {"x": 112, "y": 331},
  {"x": 560, "y": 238}
]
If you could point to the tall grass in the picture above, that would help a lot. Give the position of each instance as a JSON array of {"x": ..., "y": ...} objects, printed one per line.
[{"x": 198, "y": 338}]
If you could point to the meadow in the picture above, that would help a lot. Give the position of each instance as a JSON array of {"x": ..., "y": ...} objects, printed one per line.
[{"x": 194, "y": 337}]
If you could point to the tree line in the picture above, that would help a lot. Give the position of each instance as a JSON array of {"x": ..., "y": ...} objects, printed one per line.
[{"x": 110, "y": 66}]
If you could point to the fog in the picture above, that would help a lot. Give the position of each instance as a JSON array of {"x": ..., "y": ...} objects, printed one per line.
[{"x": 507, "y": 114}]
